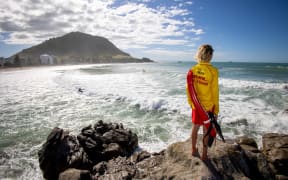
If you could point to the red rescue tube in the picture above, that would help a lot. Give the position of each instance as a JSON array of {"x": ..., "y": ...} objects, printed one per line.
[{"x": 201, "y": 113}]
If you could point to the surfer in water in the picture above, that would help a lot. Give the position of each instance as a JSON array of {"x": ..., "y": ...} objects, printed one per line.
[
  {"x": 203, "y": 97},
  {"x": 80, "y": 90}
]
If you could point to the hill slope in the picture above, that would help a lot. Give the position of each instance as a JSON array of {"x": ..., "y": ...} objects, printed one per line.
[{"x": 73, "y": 48}]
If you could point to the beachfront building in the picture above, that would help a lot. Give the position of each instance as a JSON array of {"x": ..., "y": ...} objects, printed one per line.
[
  {"x": 2, "y": 61},
  {"x": 46, "y": 59}
]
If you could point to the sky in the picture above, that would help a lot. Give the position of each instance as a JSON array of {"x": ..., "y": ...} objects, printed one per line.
[{"x": 162, "y": 30}]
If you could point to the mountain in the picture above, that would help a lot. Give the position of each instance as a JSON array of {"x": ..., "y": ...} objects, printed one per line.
[{"x": 73, "y": 48}]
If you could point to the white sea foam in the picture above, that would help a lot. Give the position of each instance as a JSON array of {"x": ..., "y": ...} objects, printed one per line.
[
  {"x": 277, "y": 67},
  {"x": 140, "y": 90},
  {"x": 232, "y": 83}
]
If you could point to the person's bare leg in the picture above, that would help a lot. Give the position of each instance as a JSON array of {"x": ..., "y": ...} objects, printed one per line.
[
  {"x": 194, "y": 135},
  {"x": 205, "y": 145}
]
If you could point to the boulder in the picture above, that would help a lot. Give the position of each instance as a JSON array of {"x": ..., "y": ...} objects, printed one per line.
[
  {"x": 139, "y": 156},
  {"x": 94, "y": 144},
  {"x": 258, "y": 164},
  {"x": 117, "y": 168},
  {"x": 141, "y": 165},
  {"x": 226, "y": 161},
  {"x": 275, "y": 148},
  {"x": 59, "y": 152},
  {"x": 75, "y": 174},
  {"x": 104, "y": 141}
]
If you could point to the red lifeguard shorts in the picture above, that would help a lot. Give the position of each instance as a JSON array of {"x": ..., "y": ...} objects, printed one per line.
[{"x": 195, "y": 118}]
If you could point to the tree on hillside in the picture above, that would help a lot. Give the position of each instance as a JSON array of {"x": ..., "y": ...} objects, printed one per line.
[{"x": 17, "y": 61}]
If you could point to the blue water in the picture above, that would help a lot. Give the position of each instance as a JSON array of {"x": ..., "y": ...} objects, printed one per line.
[
  {"x": 148, "y": 98},
  {"x": 268, "y": 72}
]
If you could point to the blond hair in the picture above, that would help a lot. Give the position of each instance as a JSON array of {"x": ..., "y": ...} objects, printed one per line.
[{"x": 204, "y": 53}]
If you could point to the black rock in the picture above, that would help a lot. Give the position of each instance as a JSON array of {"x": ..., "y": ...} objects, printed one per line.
[
  {"x": 53, "y": 154},
  {"x": 94, "y": 144},
  {"x": 60, "y": 152}
]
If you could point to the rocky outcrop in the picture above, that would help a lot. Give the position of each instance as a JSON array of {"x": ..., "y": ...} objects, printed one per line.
[
  {"x": 227, "y": 161},
  {"x": 275, "y": 149},
  {"x": 102, "y": 142},
  {"x": 75, "y": 174},
  {"x": 60, "y": 152},
  {"x": 109, "y": 151},
  {"x": 106, "y": 141}
]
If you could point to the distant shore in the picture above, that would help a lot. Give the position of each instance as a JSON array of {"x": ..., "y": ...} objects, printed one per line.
[{"x": 7, "y": 69}]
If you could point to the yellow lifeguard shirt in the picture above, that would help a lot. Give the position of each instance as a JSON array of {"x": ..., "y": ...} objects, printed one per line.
[{"x": 205, "y": 81}]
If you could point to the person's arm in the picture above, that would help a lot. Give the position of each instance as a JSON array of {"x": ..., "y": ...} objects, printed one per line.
[
  {"x": 215, "y": 92},
  {"x": 189, "y": 98}
]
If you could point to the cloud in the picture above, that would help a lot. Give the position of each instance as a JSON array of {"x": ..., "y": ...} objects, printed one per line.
[
  {"x": 170, "y": 55},
  {"x": 128, "y": 25},
  {"x": 197, "y": 31},
  {"x": 10, "y": 26}
]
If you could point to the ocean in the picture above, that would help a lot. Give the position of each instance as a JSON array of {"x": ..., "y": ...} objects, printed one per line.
[{"x": 148, "y": 98}]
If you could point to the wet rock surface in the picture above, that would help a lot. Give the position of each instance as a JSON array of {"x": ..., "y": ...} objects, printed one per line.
[
  {"x": 275, "y": 149},
  {"x": 94, "y": 144},
  {"x": 106, "y": 141},
  {"x": 60, "y": 152},
  {"x": 109, "y": 151}
]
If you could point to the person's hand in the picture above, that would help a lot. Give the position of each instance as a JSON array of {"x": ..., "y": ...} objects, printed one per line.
[{"x": 212, "y": 116}]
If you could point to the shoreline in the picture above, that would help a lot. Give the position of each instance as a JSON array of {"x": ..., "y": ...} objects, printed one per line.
[{"x": 5, "y": 69}]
